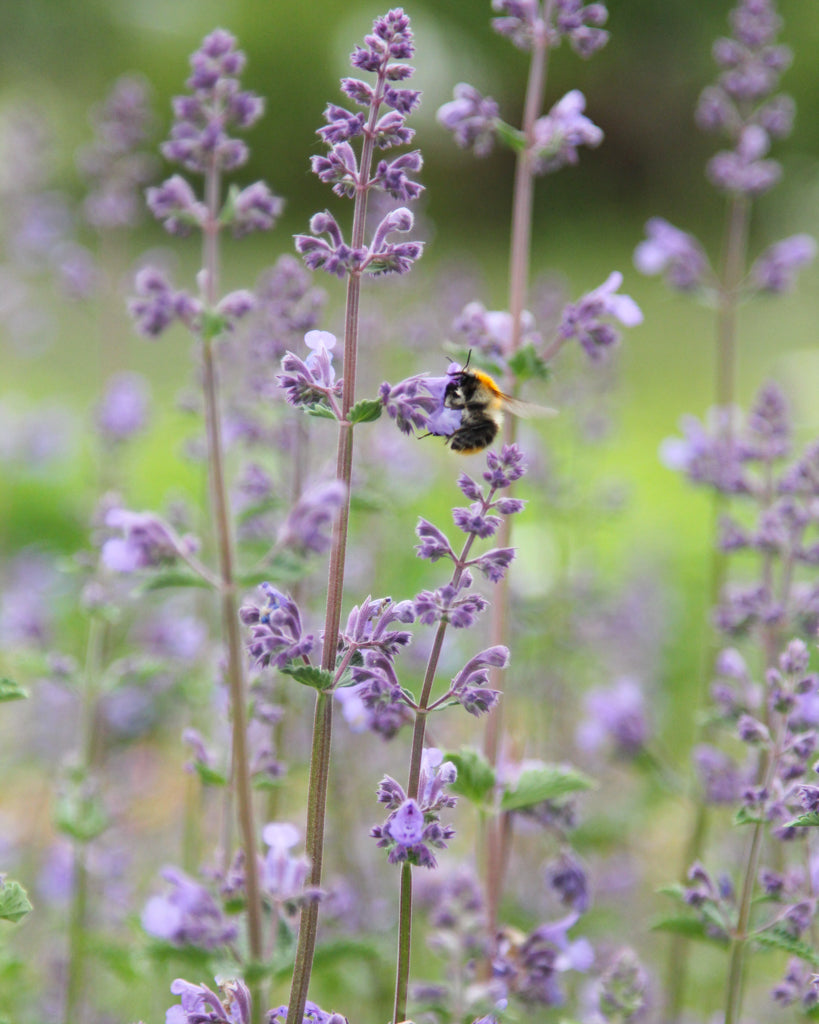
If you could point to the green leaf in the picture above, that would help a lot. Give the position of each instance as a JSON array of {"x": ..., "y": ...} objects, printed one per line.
[
  {"x": 745, "y": 816},
  {"x": 810, "y": 818},
  {"x": 691, "y": 927},
  {"x": 9, "y": 690},
  {"x": 778, "y": 938},
  {"x": 173, "y": 578},
  {"x": 324, "y": 412},
  {"x": 365, "y": 411},
  {"x": 82, "y": 817},
  {"x": 546, "y": 782},
  {"x": 14, "y": 902},
  {"x": 213, "y": 324},
  {"x": 310, "y": 675},
  {"x": 283, "y": 566},
  {"x": 510, "y": 136},
  {"x": 476, "y": 776},
  {"x": 209, "y": 776},
  {"x": 526, "y": 364}
]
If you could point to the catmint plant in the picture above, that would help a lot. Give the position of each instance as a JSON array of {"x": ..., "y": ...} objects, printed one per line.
[
  {"x": 380, "y": 124},
  {"x": 744, "y": 106},
  {"x": 201, "y": 143},
  {"x": 508, "y": 341}
]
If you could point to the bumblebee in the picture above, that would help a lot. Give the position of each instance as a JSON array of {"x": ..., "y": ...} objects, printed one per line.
[{"x": 482, "y": 404}]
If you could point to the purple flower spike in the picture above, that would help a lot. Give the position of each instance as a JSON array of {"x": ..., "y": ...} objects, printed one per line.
[
  {"x": 199, "y": 138},
  {"x": 615, "y": 714},
  {"x": 123, "y": 409},
  {"x": 472, "y": 118},
  {"x": 309, "y": 525},
  {"x": 583, "y": 319},
  {"x": 776, "y": 269},
  {"x": 157, "y": 305},
  {"x": 255, "y": 208},
  {"x": 559, "y": 134},
  {"x": 502, "y": 470},
  {"x": 188, "y": 915},
  {"x": 676, "y": 254},
  {"x": 175, "y": 204},
  {"x": 147, "y": 542}
]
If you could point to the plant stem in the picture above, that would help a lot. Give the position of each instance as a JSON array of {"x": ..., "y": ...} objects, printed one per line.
[
  {"x": 227, "y": 592},
  {"x": 519, "y": 262},
  {"x": 323, "y": 717}
]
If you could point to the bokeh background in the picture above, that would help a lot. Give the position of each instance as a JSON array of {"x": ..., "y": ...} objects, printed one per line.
[{"x": 618, "y": 513}]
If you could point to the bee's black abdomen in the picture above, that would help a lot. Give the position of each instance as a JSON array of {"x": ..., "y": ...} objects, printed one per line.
[{"x": 473, "y": 437}]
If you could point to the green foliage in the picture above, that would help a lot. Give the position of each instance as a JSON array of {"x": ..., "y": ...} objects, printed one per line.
[
  {"x": 309, "y": 675},
  {"x": 544, "y": 782},
  {"x": 9, "y": 690},
  {"x": 365, "y": 411},
  {"x": 476, "y": 777},
  {"x": 14, "y": 901}
]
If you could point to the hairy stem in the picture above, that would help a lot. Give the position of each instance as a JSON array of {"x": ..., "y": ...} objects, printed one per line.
[{"x": 220, "y": 511}]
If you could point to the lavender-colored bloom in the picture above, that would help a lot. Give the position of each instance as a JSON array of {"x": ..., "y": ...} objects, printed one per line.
[
  {"x": 449, "y": 604},
  {"x": 392, "y": 177},
  {"x": 434, "y": 543},
  {"x": 470, "y": 686},
  {"x": 558, "y": 134},
  {"x": 776, "y": 269},
  {"x": 584, "y": 319},
  {"x": 406, "y": 826},
  {"x": 27, "y": 607},
  {"x": 114, "y": 163},
  {"x": 504, "y": 468},
  {"x": 255, "y": 208},
  {"x": 276, "y": 636},
  {"x": 721, "y": 779},
  {"x": 709, "y": 453},
  {"x": 490, "y": 331},
  {"x": 385, "y": 257},
  {"x": 123, "y": 409},
  {"x": 157, "y": 305},
  {"x": 333, "y": 256},
  {"x": 676, "y": 254},
  {"x": 417, "y": 403},
  {"x": 581, "y": 23},
  {"x": 530, "y": 967},
  {"x": 283, "y": 874},
  {"x": 311, "y": 381},
  {"x": 309, "y": 525},
  {"x": 201, "y": 1005},
  {"x": 175, "y": 204},
  {"x": 413, "y": 828},
  {"x": 187, "y": 915},
  {"x": 615, "y": 714},
  {"x": 475, "y": 519},
  {"x": 199, "y": 138},
  {"x": 472, "y": 118},
  {"x": 743, "y": 171},
  {"x": 147, "y": 541},
  {"x": 494, "y": 563},
  {"x": 568, "y": 878},
  {"x": 313, "y": 1014}
]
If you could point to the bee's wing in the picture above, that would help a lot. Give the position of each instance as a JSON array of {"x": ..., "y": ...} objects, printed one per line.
[{"x": 527, "y": 410}]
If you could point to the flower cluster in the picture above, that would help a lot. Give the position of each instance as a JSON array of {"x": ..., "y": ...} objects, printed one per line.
[
  {"x": 384, "y": 53},
  {"x": 115, "y": 164},
  {"x": 276, "y": 635},
  {"x": 584, "y": 319},
  {"x": 413, "y": 828},
  {"x": 187, "y": 915},
  {"x": 311, "y": 382},
  {"x": 743, "y": 107},
  {"x": 147, "y": 541},
  {"x": 525, "y": 21}
]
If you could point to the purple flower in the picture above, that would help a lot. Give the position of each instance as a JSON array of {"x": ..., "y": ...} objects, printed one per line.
[
  {"x": 615, "y": 714},
  {"x": 311, "y": 381},
  {"x": 505, "y": 468},
  {"x": 449, "y": 604},
  {"x": 776, "y": 269},
  {"x": 558, "y": 135},
  {"x": 530, "y": 966},
  {"x": 406, "y": 825},
  {"x": 175, "y": 204},
  {"x": 470, "y": 686},
  {"x": 490, "y": 331},
  {"x": 309, "y": 524},
  {"x": 742, "y": 171},
  {"x": 283, "y": 874},
  {"x": 584, "y": 319},
  {"x": 674, "y": 253},
  {"x": 333, "y": 256},
  {"x": 276, "y": 636},
  {"x": 255, "y": 208},
  {"x": 147, "y": 542},
  {"x": 114, "y": 164},
  {"x": 157, "y": 305},
  {"x": 418, "y": 403},
  {"x": 199, "y": 138},
  {"x": 187, "y": 915},
  {"x": 413, "y": 829},
  {"x": 392, "y": 177},
  {"x": 581, "y": 24},
  {"x": 567, "y": 877},
  {"x": 472, "y": 118},
  {"x": 721, "y": 779},
  {"x": 313, "y": 1014},
  {"x": 200, "y": 1005},
  {"x": 123, "y": 409},
  {"x": 434, "y": 543}
]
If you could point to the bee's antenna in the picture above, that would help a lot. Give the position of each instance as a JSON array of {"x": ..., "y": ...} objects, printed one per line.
[{"x": 468, "y": 357}]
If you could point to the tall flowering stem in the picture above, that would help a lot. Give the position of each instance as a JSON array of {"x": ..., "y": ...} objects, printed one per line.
[
  {"x": 543, "y": 143},
  {"x": 199, "y": 141},
  {"x": 389, "y": 43}
]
